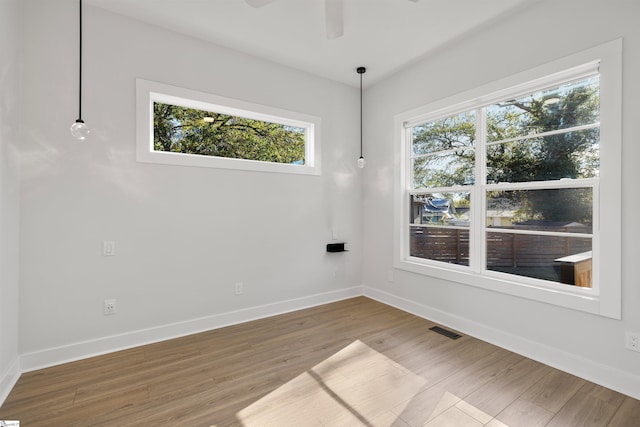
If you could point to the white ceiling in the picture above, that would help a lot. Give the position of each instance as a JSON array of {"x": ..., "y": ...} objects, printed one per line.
[{"x": 382, "y": 35}]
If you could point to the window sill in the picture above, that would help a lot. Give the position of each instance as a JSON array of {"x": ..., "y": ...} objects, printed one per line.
[
  {"x": 181, "y": 159},
  {"x": 574, "y": 298}
]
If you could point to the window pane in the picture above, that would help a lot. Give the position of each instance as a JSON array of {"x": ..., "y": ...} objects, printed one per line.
[
  {"x": 451, "y": 133},
  {"x": 444, "y": 169},
  {"x": 440, "y": 227},
  {"x": 449, "y": 245},
  {"x": 567, "y": 155},
  {"x": 558, "y": 259},
  {"x": 565, "y": 106},
  {"x": 567, "y": 210},
  {"x": 441, "y": 209},
  {"x": 179, "y": 129}
]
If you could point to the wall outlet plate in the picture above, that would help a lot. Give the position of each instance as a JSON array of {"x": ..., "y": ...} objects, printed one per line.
[
  {"x": 109, "y": 307},
  {"x": 632, "y": 341},
  {"x": 238, "y": 288}
]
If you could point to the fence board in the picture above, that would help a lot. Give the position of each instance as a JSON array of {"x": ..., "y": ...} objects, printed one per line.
[{"x": 503, "y": 249}]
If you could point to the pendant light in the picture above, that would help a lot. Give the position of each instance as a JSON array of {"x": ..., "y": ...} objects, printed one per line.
[
  {"x": 361, "y": 161},
  {"x": 79, "y": 129}
]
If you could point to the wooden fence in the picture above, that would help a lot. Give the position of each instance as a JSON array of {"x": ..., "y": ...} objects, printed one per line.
[
  {"x": 440, "y": 244},
  {"x": 503, "y": 249}
]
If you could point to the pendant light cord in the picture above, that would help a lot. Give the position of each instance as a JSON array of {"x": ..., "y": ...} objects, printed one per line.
[
  {"x": 79, "y": 129},
  {"x": 361, "y": 71},
  {"x": 80, "y": 67},
  {"x": 360, "y": 114}
]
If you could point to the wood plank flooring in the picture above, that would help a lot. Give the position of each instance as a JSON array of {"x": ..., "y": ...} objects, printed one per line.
[{"x": 352, "y": 363}]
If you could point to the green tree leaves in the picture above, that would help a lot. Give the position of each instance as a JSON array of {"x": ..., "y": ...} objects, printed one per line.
[
  {"x": 548, "y": 135},
  {"x": 445, "y": 151},
  {"x": 187, "y": 130}
]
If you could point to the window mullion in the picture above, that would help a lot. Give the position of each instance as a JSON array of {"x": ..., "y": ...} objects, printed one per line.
[
  {"x": 408, "y": 186},
  {"x": 408, "y": 154},
  {"x": 478, "y": 202},
  {"x": 595, "y": 240}
]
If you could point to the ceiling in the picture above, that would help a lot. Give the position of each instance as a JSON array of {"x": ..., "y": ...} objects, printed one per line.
[{"x": 382, "y": 35}]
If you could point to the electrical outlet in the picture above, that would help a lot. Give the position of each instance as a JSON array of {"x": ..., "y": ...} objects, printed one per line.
[
  {"x": 109, "y": 307},
  {"x": 633, "y": 341},
  {"x": 239, "y": 288}
]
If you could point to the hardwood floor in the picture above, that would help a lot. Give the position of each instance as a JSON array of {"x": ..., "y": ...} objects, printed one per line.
[{"x": 351, "y": 363}]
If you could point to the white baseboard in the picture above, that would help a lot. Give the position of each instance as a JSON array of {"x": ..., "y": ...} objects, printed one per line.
[
  {"x": 9, "y": 379},
  {"x": 603, "y": 375},
  {"x": 82, "y": 350}
]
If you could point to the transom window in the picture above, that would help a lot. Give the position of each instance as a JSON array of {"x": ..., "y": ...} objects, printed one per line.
[
  {"x": 178, "y": 129},
  {"x": 190, "y": 128},
  {"x": 507, "y": 187}
]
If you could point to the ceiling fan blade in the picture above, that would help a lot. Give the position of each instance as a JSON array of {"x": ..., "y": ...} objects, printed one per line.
[
  {"x": 334, "y": 18},
  {"x": 258, "y": 3}
]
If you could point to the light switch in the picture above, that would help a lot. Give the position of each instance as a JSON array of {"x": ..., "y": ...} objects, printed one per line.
[{"x": 108, "y": 248}]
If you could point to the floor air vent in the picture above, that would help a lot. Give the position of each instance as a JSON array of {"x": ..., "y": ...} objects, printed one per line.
[{"x": 445, "y": 332}]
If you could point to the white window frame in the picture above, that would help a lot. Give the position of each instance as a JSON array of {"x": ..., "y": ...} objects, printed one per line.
[
  {"x": 148, "y": 92},
  {"x": 604, "y": 298}
]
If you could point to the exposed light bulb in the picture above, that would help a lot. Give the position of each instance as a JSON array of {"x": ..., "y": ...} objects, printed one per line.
[
  {"x": 361, "y": 162},
  {"x": 80, "y": 130}
]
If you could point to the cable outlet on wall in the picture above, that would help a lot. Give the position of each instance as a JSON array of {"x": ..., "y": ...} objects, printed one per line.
[
  {"x": 632, "y": 341},
  {"x": 239, "y": 288},
  {"x": 109, "y": 307}
]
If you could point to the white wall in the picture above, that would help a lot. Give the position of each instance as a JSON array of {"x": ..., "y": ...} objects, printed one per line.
[
  {"x": 588, "y": 345},
  {"x": 9, "y": 193},
  {"x": 183, "y": 235}
]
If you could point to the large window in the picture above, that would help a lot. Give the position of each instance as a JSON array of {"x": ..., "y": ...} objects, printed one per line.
[
  {"x": 184, "y": 127},
  {"x": 505, "y": 189}
]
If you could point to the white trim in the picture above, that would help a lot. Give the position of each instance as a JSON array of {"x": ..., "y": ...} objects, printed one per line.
[
  {"x": 607, "y": 269},
  {"x": 439, "y": 227},
  {"x": 541, "y": 185},
  {"x": 440, "y": 153},
  {"x": 610, "y": 192},
  {"x": 9, "y": 379},
  {"x": 573, "y": 297},
  {"x": 82, "y": 350},
  {"x": 148, "y": 91},
  {"x": 604, "y": 375},
  {"x": 544, "y": 134},
  {"x": 566, "y": 234}
]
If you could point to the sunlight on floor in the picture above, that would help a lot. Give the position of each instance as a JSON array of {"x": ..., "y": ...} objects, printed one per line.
[
  {"x": 356, "y": 386},
  {"x": 345, "y": 389}
]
